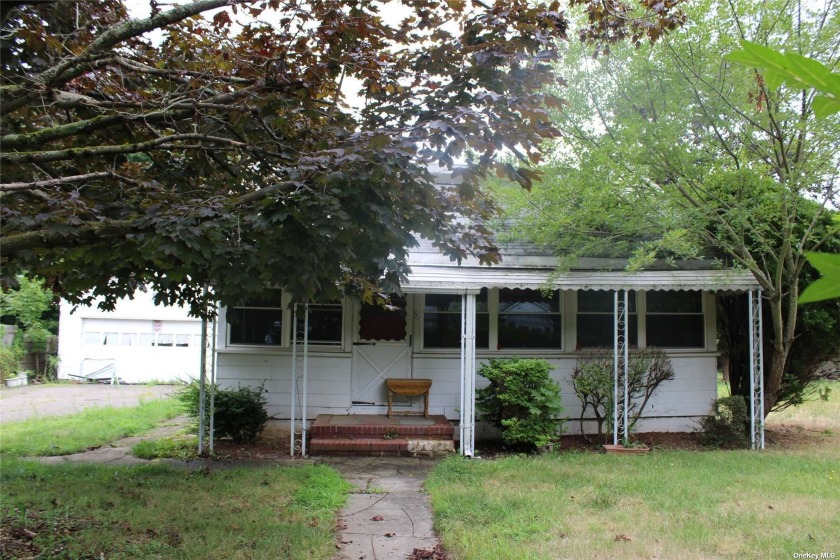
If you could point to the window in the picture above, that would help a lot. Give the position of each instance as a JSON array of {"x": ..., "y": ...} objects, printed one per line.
[
  {"x": 596, "y": 322},
  {"x": 325, "y": 322},
  {"x": 529, "y": 319},
  {"x": 165, "y": 339},
  {"x": 442, "y": 321},
  {"x": 675, "y": 319},
  {"x": 93, "y": 339},
  {"x": 182, "y": 340},
  {"x": 262, "y": 321},
  {"x": 259, "y": 321},
  {"x": 128, "y": 339},
  {"x": 147, "y": 339}
]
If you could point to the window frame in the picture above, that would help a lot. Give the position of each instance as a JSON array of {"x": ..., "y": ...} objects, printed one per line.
[
  {"x": 637, "y": 298},
  {"x": 493, "y": 328},
  {"x": 421, "y": 329},
  {"x": 703, "y": 314},
  {"x": 287, "y": 318}
]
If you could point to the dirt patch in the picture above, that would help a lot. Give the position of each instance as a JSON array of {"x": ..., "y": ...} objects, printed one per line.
[
  {"x": 796, "y": 437},
  {"x": 261, "y": 450},
  {"x": 36, "y": 534}
]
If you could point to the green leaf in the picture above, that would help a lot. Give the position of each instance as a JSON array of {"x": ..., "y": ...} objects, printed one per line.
[
  {"x": 797, "y": 70},
  {"x": 827, "y": 287}
]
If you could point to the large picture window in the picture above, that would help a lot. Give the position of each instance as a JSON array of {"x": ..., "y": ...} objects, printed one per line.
[
  {"x": 529, "y": 319},
  {"x": 596, "y": 322},
  {"x": 675, "y": 319},
  {"x": 442, "y": 321},
  {"x": 259, "y": 321}
]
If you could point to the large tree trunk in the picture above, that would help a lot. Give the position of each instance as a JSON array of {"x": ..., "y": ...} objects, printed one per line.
[{"x": 735, "y": 332}]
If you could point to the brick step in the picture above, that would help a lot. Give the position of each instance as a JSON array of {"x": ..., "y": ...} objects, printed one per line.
[
  {"x": 379, "y": 446},
  {"x": 379, "y": 435},
  {"x": 435, "y": 427}
]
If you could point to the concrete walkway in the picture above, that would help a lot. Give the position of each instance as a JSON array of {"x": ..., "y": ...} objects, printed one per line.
[
  {"x": 119, "y": 452},
  {"x": 389, "y": 515}
]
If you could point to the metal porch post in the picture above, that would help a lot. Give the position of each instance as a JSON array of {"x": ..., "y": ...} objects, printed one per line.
[
  {"x": 299, "y": 382},
  {"x": 293, "y": 394},
  {"x": 305, "y": 380},
  {"x": 756, "y": 371},
  {"x": 202, "y": 382},
  {"x": 620, "y": 358},
  {"x": 467, "y": 424}
]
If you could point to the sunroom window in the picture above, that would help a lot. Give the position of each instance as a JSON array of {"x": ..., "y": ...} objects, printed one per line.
[
  {"x": 258, "y": 321},
  {"x": 675, "y": 319},
  {"x": 529, "y": 319},
  {"x": 442, "y": 321},
  {"x": 325, "y": 321},
  {"x": 596, "y": 319}
]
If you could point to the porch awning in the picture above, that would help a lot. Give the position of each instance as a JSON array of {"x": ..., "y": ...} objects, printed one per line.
[{"x": 426, "y": 278}]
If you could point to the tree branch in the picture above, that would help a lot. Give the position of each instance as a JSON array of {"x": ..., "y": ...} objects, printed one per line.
[
  {"x": 97, "y": 151},
  {"x": 30, "y": 185}
]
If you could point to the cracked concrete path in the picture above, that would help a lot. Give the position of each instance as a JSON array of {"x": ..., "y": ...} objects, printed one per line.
[
  {"x": 389, "y": 514},
  {"x": 119, "y": 452}
]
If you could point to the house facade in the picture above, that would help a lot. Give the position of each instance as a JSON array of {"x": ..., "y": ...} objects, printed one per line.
[{"x": 334, "y": 357}]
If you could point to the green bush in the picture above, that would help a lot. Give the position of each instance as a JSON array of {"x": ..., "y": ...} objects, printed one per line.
[
  {"x": 9, "y": 361},
  {"x": 728, "y": 428},
  {"x": 239, "y": 413},
  {"x": 522, "y": 401}
]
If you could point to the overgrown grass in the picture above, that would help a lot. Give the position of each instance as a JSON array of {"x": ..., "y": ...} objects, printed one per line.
[
  {"x": 170, "y": 447},
  {"x": 95, "y": 511},
  {"x": 63, "y": 435},
  {"x": 667, "y": 504}
]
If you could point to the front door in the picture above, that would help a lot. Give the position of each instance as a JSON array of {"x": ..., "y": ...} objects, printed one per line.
[{"x": 381, "y": 350}]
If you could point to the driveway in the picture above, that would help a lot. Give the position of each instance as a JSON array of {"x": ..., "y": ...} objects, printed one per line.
[{"x": 56, "y": 400}]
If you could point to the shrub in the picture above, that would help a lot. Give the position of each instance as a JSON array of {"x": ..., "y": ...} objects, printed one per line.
[
  {"x": 9, "y": 361},
  {"x": 239, "y": 414},
  {"x": 728, "y": 428},
  {"x": 522, "y": 401},
  {"x": 592, "y": 380}
]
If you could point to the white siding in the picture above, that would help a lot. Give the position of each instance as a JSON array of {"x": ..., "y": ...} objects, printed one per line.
[{"x": 678, "y": 404}]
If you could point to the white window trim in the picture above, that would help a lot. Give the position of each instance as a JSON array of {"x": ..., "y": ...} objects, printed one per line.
[
  {"x": 709, "y": 323},
  {"x": 285, "y": 346},
  {"x": 493, "y": 335}
]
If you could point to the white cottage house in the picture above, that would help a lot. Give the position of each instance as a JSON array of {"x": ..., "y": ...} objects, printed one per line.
[{"x": 334, "y": 358}]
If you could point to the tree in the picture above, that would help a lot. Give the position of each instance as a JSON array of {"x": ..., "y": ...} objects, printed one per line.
[
  {"x": 799, "y": 71},
  {"x": 690, "y": 156},
  {"x": 228, "y": 156}
]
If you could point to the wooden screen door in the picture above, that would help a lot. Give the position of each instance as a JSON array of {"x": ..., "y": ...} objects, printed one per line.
[{"x": 382, "y": 349}]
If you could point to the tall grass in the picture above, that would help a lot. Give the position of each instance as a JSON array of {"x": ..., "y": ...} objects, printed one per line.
[
  {"x": 63, "y": 435},
  {"x": 95, "y": 511}
]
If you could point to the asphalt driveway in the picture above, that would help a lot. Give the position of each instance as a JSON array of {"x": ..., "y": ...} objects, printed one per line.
[{"x": 21, "y": 403}]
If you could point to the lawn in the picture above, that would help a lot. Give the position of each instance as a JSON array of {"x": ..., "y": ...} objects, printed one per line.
[
  {"x": 89, "y": 512},
  {"x": 63, "y": 435},
  {"x": 667, "y": 504}
]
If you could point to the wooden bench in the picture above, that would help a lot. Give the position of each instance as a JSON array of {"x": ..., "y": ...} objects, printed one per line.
[{"x": 409, "y": 388}]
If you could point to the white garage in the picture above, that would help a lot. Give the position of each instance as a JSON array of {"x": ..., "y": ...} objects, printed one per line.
[{"x": 138, "y": 342}]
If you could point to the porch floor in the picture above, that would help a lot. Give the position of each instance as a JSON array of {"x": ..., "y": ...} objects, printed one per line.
[{"x": 371, "y": 434}]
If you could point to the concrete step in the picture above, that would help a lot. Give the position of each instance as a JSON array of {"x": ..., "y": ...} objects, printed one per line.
[{"x": 367, "y": 446}]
